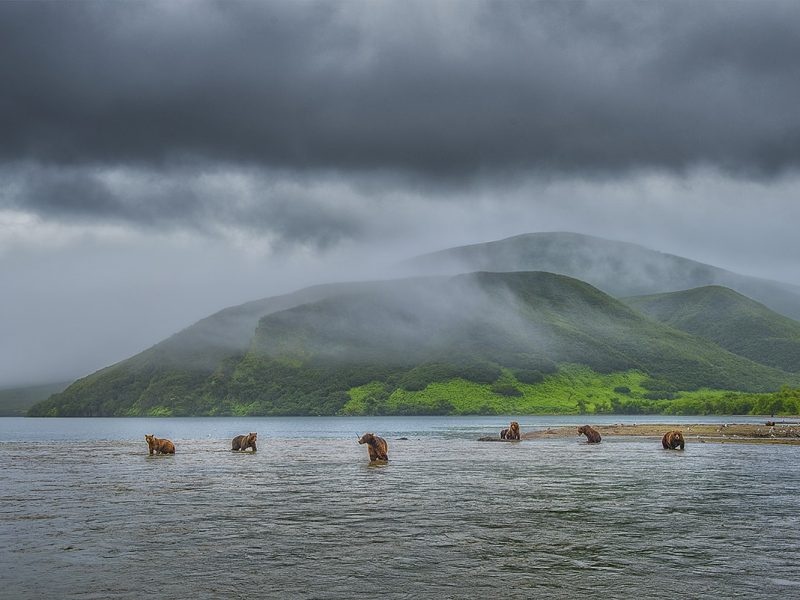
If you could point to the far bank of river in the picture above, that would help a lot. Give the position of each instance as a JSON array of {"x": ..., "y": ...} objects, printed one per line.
[{"x": 786, "y": 432}]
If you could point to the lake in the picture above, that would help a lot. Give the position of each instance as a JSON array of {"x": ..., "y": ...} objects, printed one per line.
[{"x": 85, "y": 512}]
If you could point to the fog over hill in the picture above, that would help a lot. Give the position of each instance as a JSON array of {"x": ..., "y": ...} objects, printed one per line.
[
  {"x": 426, "y": 318},
  {"x": 481, "y": 327},
  {"x": 618, "y": 268}
]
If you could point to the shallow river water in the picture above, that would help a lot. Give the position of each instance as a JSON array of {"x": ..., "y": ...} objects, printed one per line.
[{"x": 85, "y": 512}]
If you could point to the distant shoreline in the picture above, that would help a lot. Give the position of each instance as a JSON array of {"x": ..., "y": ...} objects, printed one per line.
[
  {"x": 744, "y": 433},
  {"x": 792, "y": 420},
  {"x": 785, "y": 432}
]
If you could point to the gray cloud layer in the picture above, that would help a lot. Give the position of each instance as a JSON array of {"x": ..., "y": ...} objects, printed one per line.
[
  {"x": 293, "y": 209},
  {"x": 439, "y": 89},
  {"x": 153, "y": 155}
]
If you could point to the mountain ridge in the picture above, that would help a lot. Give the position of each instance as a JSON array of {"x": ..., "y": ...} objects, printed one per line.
[
  {"x": 307, "y": 359},
  {"x": 729, "y": 319},
  {"x": 622, "y": 269}
]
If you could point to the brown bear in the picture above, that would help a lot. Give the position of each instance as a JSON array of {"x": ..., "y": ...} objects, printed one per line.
[
  {"x": 243, "y": 442},
  {"x": 159, "y": 446},
  {"x": 672, "y": 439},
  {"x": 377, "y": 446},
  {"x": 592, "y": 435},
  {"x": 512, "y": 433}
]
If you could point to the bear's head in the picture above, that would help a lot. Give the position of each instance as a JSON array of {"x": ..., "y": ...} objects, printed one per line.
[
  {"x": 583, "y": 429},
  {"x": 514, "y": 426},
  {"x": 251, "y": 438},
  {"x": 150, "y": 438},
  {"x": 367, "y": 438}
]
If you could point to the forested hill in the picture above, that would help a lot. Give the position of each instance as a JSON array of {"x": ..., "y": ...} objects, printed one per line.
[
  {"x": 496, "y": 329},
  {"x": 617, "y": 268},
  {"x": 733, "y": 321},
  {"x": 171, "y": 371}
]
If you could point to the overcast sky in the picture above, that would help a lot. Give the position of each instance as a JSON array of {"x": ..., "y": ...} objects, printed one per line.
[{"x": 162, "y": 160}]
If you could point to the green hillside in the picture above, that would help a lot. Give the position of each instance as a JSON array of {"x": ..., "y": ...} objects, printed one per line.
[
  {"x": 176, "y": 371},
  {"x": 504, "y": 332},
  {"x": 617, "y": 268},
  {"x": 729, "y": 319}
]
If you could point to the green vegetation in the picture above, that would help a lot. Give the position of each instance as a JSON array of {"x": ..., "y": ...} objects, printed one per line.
[
  {"x": 727, "y": 318},
  {"x": 182, "y": 375},
  {"x": 571, "y": 390},
  {"x": 485, "y": 343},
  {"x": 574, "y": 389}
]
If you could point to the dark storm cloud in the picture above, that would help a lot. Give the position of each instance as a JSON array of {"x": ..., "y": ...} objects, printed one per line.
[
  {"x": 439, "y": 89},
  {"x": 183, "y": 199}
]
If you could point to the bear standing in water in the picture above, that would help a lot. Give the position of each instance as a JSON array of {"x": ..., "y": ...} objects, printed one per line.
[
  {"x": 672, "y": 440},
  {"x": 243, "y": 442},
  {"x": 159, "y": 446},
  {"x": 377, "y": 447},
  {"x": 592, "y": 435},
  {"x": 512, "y": 433}
]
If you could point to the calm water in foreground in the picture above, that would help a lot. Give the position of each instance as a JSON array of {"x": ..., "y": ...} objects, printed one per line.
[{"x": 86, "y": 513}]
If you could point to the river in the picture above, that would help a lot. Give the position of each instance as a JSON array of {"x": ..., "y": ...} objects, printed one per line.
[{"x": 86, "y": 513}]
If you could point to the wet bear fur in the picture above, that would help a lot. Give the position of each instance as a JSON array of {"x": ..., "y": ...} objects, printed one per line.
[
  {"x": 376, "y": 446},
  {"x": 512, "y": 433},
  {"x": 243, "y": 442},
  {"x": 592, "y": 435},
  {"x": 159, "y": 446},
  {"x": 672, "y": 440}
]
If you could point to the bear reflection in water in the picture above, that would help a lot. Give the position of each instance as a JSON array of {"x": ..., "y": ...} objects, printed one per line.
[{"x": 377, "y": 446}]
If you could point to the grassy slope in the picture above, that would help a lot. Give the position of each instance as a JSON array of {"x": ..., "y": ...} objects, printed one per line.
[
  {"x": 191, "y": 372},
  {"x": 730, "y": 320},
  {"x": 172, "y": 377},
  {"x": 483, "y": 329},
  {"x": 518, "y": 318},
  {"x": 523, "y": 321},
  {"x": 574, "y": 389}
]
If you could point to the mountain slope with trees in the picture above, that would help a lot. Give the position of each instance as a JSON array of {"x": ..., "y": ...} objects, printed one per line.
[
  {"x": 729, "y": 319},
  {"x": 494, "y": 329}
]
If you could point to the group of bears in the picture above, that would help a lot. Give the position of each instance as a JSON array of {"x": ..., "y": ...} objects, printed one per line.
[
  {"x": 379, "y": 450},
  {"x": 671, "y": 440},
  {"x": 162, "y": 446},
  {"x": 377, "y": 446}
]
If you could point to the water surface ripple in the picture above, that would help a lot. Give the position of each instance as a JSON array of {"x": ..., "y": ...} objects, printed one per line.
[{"x": 86, "y": 513}]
